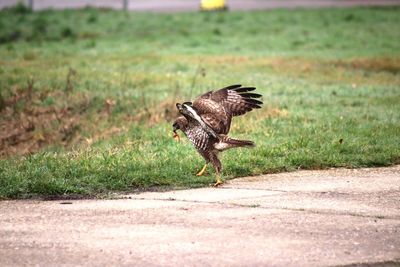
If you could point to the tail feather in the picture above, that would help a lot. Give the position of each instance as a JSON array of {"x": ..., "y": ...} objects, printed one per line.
[
  {"x": 227, "y": 143},
  {"x": 240, "y": 143}
]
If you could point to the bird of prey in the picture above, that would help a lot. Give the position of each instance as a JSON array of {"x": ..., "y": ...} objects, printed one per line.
[{"x": 206, "y": 122}]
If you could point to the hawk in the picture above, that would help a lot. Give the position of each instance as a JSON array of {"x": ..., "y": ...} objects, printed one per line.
[{"x": 206, "y": 122}]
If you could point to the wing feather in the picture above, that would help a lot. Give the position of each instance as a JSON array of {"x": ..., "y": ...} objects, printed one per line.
[
  {"x": 238, "y": 101},
  {"x": 245, "y": 89},
  {"x": 231, "y": 87},
  {"x": 215, "y": 122},
  {"x": 223, "y": 104},
  {"x": 250, "y": 95}
]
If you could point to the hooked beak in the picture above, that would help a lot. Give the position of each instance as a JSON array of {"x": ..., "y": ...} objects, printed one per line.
[{"x": 179, "y": 106}]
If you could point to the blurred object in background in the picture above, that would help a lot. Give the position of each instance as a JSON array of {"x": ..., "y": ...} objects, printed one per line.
[
  {"x": 209, "y": 5},
  {"x": 193, "y": 5}
]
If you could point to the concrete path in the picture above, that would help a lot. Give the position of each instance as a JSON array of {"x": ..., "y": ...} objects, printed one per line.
[
  {"x": 193, "y": 5},
  {"x": 305, "y": 218}
]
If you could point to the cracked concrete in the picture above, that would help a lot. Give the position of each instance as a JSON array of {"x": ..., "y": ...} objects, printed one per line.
[{"x": 305, "y": 218}]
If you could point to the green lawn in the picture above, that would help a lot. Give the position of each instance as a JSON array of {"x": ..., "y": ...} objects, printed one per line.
[{"x": 87, "y": 97}]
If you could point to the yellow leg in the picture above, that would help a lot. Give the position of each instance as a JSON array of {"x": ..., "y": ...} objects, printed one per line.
[
  {"x": 219, "y": 181},
  {"x": 201, "y": 172}
]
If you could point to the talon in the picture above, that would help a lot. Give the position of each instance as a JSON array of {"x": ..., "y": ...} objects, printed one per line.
[
  {"x": 201, "y": 172},
  {"x": 218, "y": 183}
]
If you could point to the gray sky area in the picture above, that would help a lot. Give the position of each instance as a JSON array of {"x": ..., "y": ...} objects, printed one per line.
[{"x": 192, "y": 5}]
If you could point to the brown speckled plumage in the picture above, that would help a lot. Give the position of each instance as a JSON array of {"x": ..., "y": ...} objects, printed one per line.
[{"x": 206, "y": 122}]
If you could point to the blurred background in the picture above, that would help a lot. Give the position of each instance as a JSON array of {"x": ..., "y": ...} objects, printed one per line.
[{"x": 192, "y": 5}]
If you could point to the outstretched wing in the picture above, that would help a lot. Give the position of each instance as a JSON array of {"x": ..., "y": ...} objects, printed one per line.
[
  {"x": 217, "y": 108},
  {"x": 236, "y": 99}
]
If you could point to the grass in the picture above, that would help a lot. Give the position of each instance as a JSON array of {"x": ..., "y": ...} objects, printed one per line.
[{"x": 87, "y": 97}]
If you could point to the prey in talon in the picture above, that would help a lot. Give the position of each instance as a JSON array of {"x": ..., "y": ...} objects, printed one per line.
[
  {"x": 207, "y": 120},
  {"x": 176, "y": 136}
]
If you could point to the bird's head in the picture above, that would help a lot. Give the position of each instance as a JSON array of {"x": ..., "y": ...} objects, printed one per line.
[
  {"x": 179, "y": 124},
  {"x": 185, "y": 108}
]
